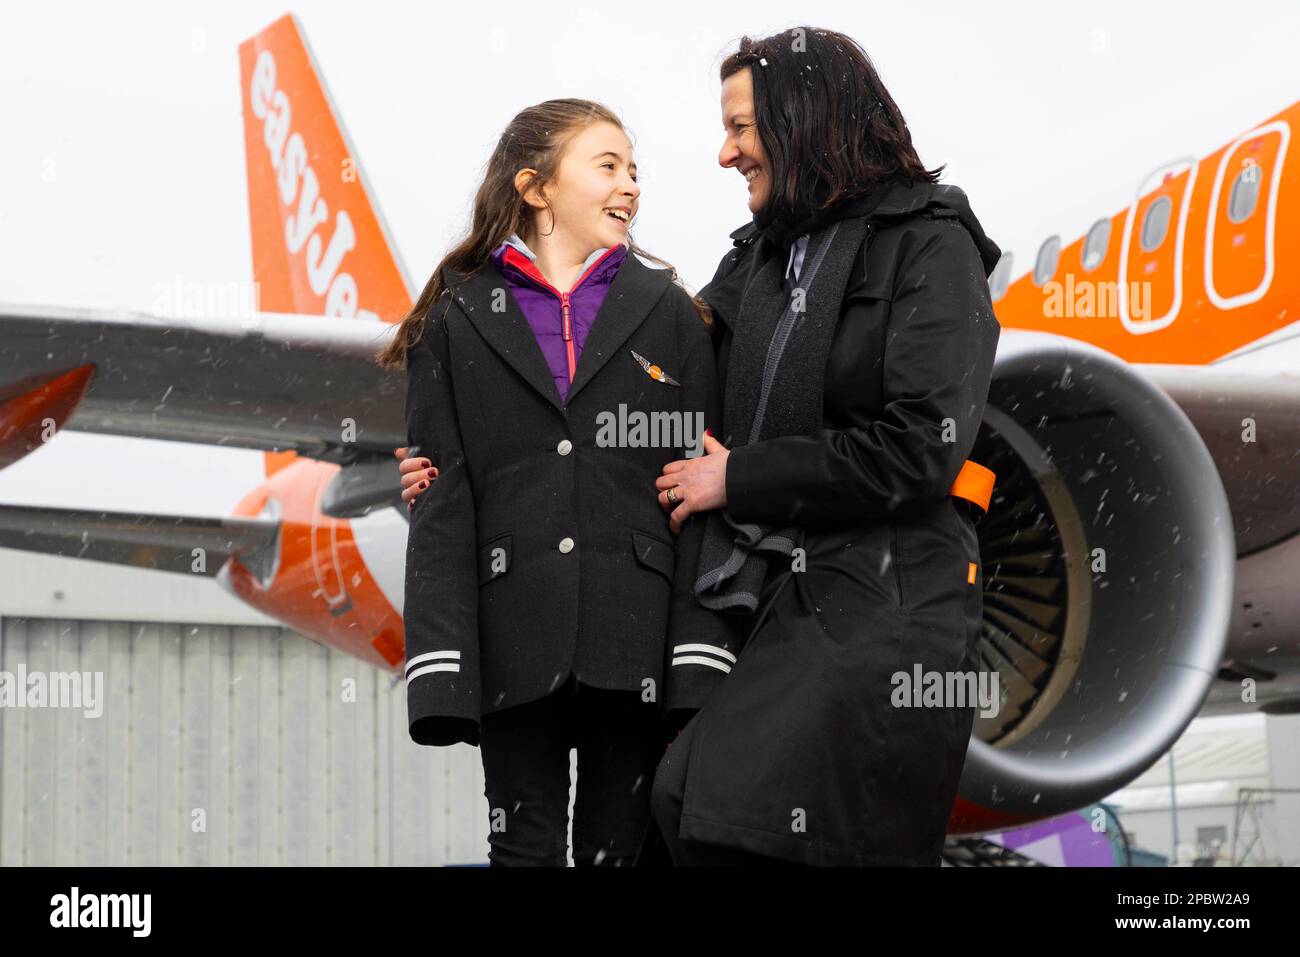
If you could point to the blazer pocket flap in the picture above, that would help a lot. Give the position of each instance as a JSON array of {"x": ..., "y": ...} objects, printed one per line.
[
  {"x": 493, "y": 558},
  {"x": 654, "y": 553}
]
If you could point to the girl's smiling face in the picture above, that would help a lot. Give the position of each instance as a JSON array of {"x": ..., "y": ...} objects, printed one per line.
[
  {"x": 594, "y": 195},
  {"x": 742, "y": 149}
]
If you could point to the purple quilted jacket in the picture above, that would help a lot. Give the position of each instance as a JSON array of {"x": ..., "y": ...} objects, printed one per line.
[{"x": 559, "y": 320}]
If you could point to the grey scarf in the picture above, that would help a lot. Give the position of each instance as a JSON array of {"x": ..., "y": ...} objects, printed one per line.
[{"x": 775, "y": 376}]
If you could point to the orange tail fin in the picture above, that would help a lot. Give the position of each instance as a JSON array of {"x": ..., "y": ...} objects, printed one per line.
[{"x": 320, "y": 245}]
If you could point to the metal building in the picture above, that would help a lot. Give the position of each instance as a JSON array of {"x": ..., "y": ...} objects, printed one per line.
[{"x": 223, "y": 737}]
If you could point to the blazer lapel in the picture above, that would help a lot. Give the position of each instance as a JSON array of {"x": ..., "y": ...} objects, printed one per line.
[
  {"x": 507, "y": 332},
  {"x": 633, "y": 293}
]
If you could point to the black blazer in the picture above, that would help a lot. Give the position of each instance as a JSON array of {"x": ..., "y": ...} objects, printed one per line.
[{"x": 538, "y": 551}]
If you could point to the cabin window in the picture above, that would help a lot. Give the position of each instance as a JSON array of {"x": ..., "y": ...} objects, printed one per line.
[
  {"x": 1000, "y": 278},
  {"x": 1245, "y": 194},
  {"x": 1155, "y": 225},
  {"x": 1094, "y": 247},
  {"x": 1048, "y": 255}
]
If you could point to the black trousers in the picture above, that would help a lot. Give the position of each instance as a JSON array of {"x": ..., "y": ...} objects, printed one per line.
[{"x": 525, "y": 751}]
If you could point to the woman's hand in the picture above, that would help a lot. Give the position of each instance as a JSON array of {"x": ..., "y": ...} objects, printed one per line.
[
  {"x": 416, "y": 474},
  {"x": 698, "y": 484}
]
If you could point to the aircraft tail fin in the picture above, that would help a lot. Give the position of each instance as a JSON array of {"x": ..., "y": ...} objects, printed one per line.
[{"x": 320, "y": 245}]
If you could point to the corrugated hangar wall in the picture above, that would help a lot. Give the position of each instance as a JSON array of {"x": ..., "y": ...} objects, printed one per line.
[{"x": 221, "y": 745}]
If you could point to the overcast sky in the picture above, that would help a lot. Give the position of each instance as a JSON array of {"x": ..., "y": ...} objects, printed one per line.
[{"x": 1048, "y": 116}]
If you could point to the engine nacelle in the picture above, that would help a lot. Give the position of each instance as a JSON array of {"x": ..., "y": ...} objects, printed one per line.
[{"x": 1108, "y": 556}]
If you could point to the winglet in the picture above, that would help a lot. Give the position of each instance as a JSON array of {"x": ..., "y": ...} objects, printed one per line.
[{"x": 29, "y": 408}]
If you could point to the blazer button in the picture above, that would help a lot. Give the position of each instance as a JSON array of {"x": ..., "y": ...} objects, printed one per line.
[
  {"x": 566, "y": 545},
  {"x": 565, "y": 447}
]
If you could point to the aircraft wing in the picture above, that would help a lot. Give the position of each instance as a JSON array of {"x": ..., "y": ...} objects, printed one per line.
[
  {"x": 1250, "y": 424},
  {"x": 173, "y": 543},
  {"x": 272, "y": 382}
]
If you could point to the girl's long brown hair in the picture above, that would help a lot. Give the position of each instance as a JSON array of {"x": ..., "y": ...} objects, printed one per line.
[{"x": 535, "y": 139}]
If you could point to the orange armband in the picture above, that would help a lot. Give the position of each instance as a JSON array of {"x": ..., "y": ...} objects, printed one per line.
[{"x": 975, "y": 483}]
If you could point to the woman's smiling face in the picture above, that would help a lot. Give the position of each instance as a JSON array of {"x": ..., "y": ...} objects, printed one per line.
[{"x": 742, "y": 150}]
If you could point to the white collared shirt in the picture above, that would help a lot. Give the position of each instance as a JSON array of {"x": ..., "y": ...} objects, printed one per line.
[{"x": 797, "y": 250}]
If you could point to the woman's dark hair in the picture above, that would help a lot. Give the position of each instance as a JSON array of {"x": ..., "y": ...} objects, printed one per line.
[
  {"x": 829, "y": 127},
  {"x": 535, "y": 139}
]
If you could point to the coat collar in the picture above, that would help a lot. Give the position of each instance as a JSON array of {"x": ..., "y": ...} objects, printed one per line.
[
  {"x": 633, "y": 293},
  {"x": 902, "y": 198},
  {"x": 516, "y": 242},
  {"x": 899, "y": 198}
]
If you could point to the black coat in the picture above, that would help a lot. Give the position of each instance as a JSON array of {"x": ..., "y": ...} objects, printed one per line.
[
  {"x": 537, "y": 551},
  {"x": 800, "y": 753}
]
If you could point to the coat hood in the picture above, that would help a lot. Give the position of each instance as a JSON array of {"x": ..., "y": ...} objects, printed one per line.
[{"x": 944, "y": 196}]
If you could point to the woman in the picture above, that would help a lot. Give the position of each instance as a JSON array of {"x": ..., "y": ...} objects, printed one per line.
[
  {"x": 856, "y": 345},
  {"x": 541, "y": 580}
]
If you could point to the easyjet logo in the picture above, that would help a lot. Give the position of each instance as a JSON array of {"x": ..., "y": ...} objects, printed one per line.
[{"x": 299, "y": 189}]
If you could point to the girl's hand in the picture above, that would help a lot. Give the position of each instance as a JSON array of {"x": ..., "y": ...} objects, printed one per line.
[
  {"x": 416, "y": 474},
  {"x": 699, "y": 484}
]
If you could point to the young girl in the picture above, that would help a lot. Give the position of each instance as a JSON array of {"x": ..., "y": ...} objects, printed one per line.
[{"x": 550, "y": 377}]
